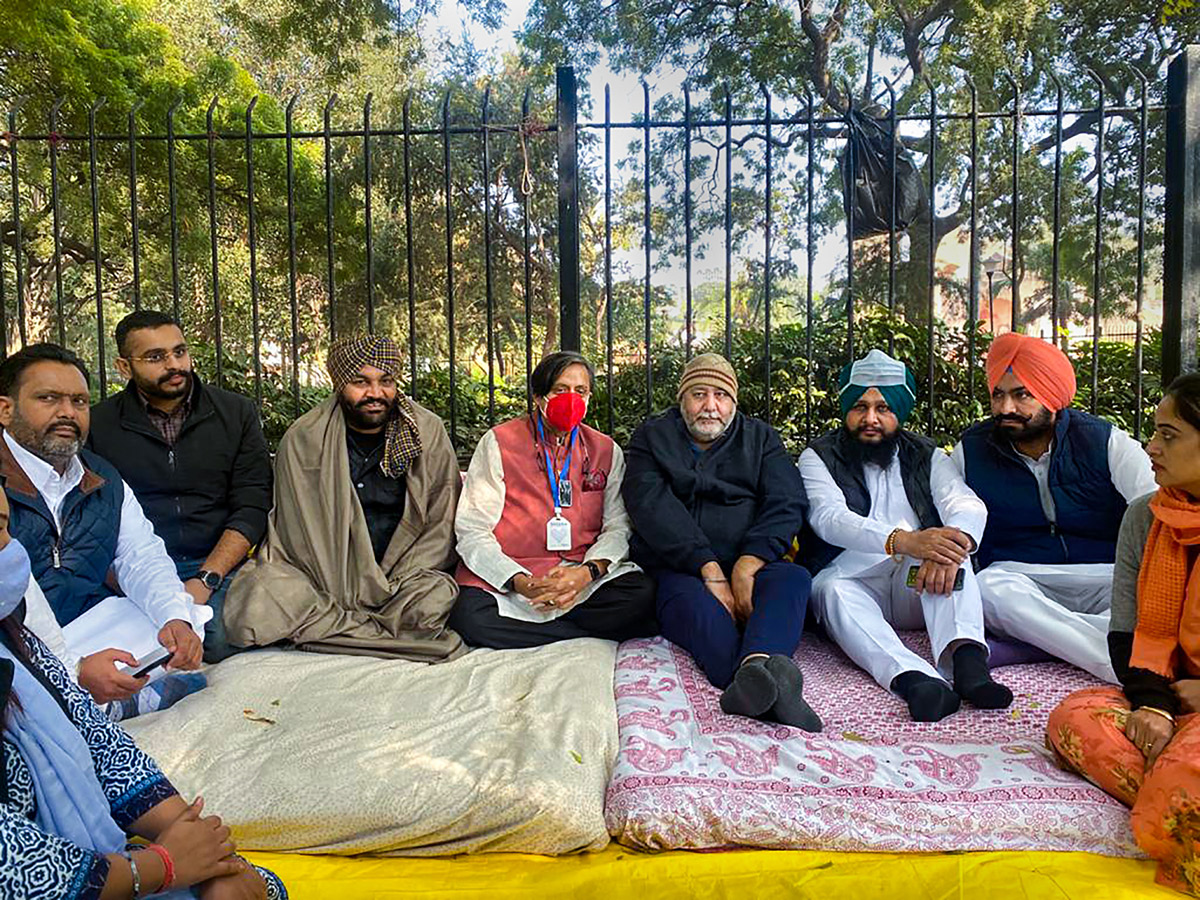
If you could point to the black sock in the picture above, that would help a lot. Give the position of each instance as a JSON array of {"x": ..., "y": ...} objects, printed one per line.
[
  {"x": 790, "y": 707},
  {"x": 973, "y": 681},
  {"x": 752, "y": 691},
  {"x": 929, "y": 699}
]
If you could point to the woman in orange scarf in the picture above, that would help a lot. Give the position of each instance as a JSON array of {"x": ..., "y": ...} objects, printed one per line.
[{"x": 1142, "y": 744}]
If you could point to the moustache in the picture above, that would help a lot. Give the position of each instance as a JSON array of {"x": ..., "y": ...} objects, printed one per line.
[
  {"x": 164, "y": 379},
  {"x": 363, "y": 404},
  {"x": 64, "y": 423},
  {"x": 1020, "y": 420}
]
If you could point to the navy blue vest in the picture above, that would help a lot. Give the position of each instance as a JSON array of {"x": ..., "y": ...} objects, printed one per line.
[
  {"x": 70, "y": 567},
  {"x": 915, "y": 454},
  {"x": 1087, "y": 506}
]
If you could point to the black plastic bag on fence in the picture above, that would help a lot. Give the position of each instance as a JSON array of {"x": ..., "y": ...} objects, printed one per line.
[{"x": 870, "y": 196}]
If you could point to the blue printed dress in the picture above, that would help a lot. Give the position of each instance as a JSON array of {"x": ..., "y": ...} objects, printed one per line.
[{"x": 35, "y": 865}]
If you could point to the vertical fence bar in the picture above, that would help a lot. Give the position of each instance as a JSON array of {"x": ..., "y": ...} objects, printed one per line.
[
  {"x": 56, "y": 215},
  {"x": 328, "y": 148},
  {"x": 409, "y": 263},
  {"x": 487, "y": 255},
  {"x": 646, "y": 241},
  {"x": 728, "y": 222},
  {"x": 369, "y": 231},
  {"x": 173, "y": 207},
  {"x": 567, "y": 111},
  {"x": 212, "y": 233},
  {"x": 135, "y": 231},
  {"x": 252, "y": 235},
  {"x": 767, "y": 265},
  {"x": 452, "y": 347},
  {"x": 526, "y": 190},
  {"x": 1015, "y": 225},
  {"x": 973, "y": 275},
  {"x": 293, "y": 309},
  {"x": 608, "y": 284},
  {"x": 1056, "y": 245},
  {"x": 851, "y": 175},
  {"x": 1098, "y": 246},
  {"x": 1139, "y": 283},
  {"x": 1181, "y": 221},
  {"x": 97, "y": 257},
  {"x": 687, "y": 218},
  {"x": 18, "y": 242},
  {"x": 809, "y": 253},
  {"x": 891, "y": 287},
  {"x": 931, "y": 334}
]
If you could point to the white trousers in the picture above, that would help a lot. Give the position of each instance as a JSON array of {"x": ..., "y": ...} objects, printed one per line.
[
  {"x": 1064, "y": 610},
  {"x": 862, "y": 609}
]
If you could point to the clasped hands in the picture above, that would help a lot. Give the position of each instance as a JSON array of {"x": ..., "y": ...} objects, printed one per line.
[
  {"x": 942, "y": 552},
  {"x": 735, "y": 593},
  {"x": 100, "y": 677},
  {"x": 1150, "y": 731},
  {"x": 558, "y": 589},
  {"x": 202, "y": 852}
]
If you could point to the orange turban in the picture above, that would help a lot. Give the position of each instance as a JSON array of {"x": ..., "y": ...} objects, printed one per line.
[{"x": 1041, "y": 367}]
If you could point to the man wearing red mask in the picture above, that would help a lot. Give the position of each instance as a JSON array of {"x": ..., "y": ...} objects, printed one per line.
[
  {"x": 542, "y": 530},
  {"x": 360, "y": 541}
]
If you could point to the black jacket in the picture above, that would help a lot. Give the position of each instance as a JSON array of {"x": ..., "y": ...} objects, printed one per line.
[
  {"x": 741, "y": 496},
  {"x": 217, "y": 476}
]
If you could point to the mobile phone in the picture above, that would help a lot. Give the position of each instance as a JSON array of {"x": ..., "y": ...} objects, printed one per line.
[
  {"x": 153, "y": 660},
  {"x": 911, "y": 581}
]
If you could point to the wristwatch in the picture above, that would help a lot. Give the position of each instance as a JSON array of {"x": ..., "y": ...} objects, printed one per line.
[
  {"x": 594, "y": 569},
  {"x": 211, "y": 580}
]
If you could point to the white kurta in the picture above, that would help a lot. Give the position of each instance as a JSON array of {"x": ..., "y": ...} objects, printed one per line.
[
  {"x": 1063, "y": 609},
  {"x": 861, "y": 596},
  {"x": 479, "y": 510}
]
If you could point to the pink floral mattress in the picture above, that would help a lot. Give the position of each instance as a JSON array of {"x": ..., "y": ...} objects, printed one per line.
[{"x": 689, "y": 776}]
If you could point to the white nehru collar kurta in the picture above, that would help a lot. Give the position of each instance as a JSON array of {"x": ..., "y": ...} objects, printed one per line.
[{"x": 863, "y": 537}]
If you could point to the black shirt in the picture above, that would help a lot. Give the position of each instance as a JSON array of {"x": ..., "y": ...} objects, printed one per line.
[{"x": 381, "y": 496}]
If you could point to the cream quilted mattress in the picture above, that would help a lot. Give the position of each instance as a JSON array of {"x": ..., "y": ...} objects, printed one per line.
[{"x": 497, "y": 751}]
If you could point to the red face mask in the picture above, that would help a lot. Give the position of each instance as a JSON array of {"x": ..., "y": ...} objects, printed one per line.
[{"x": 566, "y": 410}]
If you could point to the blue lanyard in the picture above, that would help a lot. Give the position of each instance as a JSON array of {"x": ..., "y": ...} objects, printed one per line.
[{"x": 566, "y": 469}]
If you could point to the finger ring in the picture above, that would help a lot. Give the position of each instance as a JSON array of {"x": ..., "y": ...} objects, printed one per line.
[{"x": 551, "y": 603}]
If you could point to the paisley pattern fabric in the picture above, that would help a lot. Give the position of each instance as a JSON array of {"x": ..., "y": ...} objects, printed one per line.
[
  {"x": 689, "y": 776},
  {"x": 35, "y": 865},
  {"x": 1087, "y": 734}
]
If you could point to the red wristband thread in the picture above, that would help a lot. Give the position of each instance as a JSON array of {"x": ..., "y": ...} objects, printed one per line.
[{"x": 168, "y": 866}]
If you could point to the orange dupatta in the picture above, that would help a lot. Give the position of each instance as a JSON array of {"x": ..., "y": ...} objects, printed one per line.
[{"x": 1168, "y": 597}]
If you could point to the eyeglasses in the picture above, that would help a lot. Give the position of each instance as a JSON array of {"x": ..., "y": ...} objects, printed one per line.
[{"x": 158, "y": 357}]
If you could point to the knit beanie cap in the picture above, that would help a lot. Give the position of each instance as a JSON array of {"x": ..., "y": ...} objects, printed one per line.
[{"x": 710, "y": 369}]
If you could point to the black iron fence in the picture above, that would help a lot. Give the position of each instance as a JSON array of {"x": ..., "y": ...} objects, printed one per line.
[{"x": 494, "y": 230}]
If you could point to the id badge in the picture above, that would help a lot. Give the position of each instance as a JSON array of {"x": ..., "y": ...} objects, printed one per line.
[
  {"x": 564, "y": 494},
  {"x": 558, "y": 534}
]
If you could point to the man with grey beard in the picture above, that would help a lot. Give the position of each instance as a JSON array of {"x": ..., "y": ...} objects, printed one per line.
[
  {"x": 80, "y": 522},
  {"x": 715, "y": 502}
]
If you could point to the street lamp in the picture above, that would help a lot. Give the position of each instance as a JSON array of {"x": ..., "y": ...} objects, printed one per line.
[{"x": 992, "y": 265}]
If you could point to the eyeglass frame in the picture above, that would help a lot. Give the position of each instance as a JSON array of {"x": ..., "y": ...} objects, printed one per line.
[{"x": 175, "y": 354}]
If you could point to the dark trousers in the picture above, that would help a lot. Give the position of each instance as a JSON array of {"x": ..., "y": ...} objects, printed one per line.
[
  {"x": 694, "y": 619},
  {"x": 617, "y": 611}
]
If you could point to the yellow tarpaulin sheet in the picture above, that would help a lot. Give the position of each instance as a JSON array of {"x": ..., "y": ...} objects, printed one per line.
[{"x": 621, "y": 874}]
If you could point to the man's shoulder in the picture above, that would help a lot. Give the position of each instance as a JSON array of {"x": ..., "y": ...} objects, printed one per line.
[
  {"x": 227, "y": 399},
  {"x": 660, "y": 424},
  {"x": 981, "y": 430},
  {"x": 1080, "y": 422}
]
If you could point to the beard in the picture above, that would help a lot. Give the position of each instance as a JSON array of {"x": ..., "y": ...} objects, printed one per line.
[
  {"x": 360, "y": 418},
  {"x": 1018, "y": 429},
  {"x": 878, "y": 453},
  {"x": 707, "y": 428},
  {"x": 46, "y": 444},
  {"x": 161, "y": 389}
]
